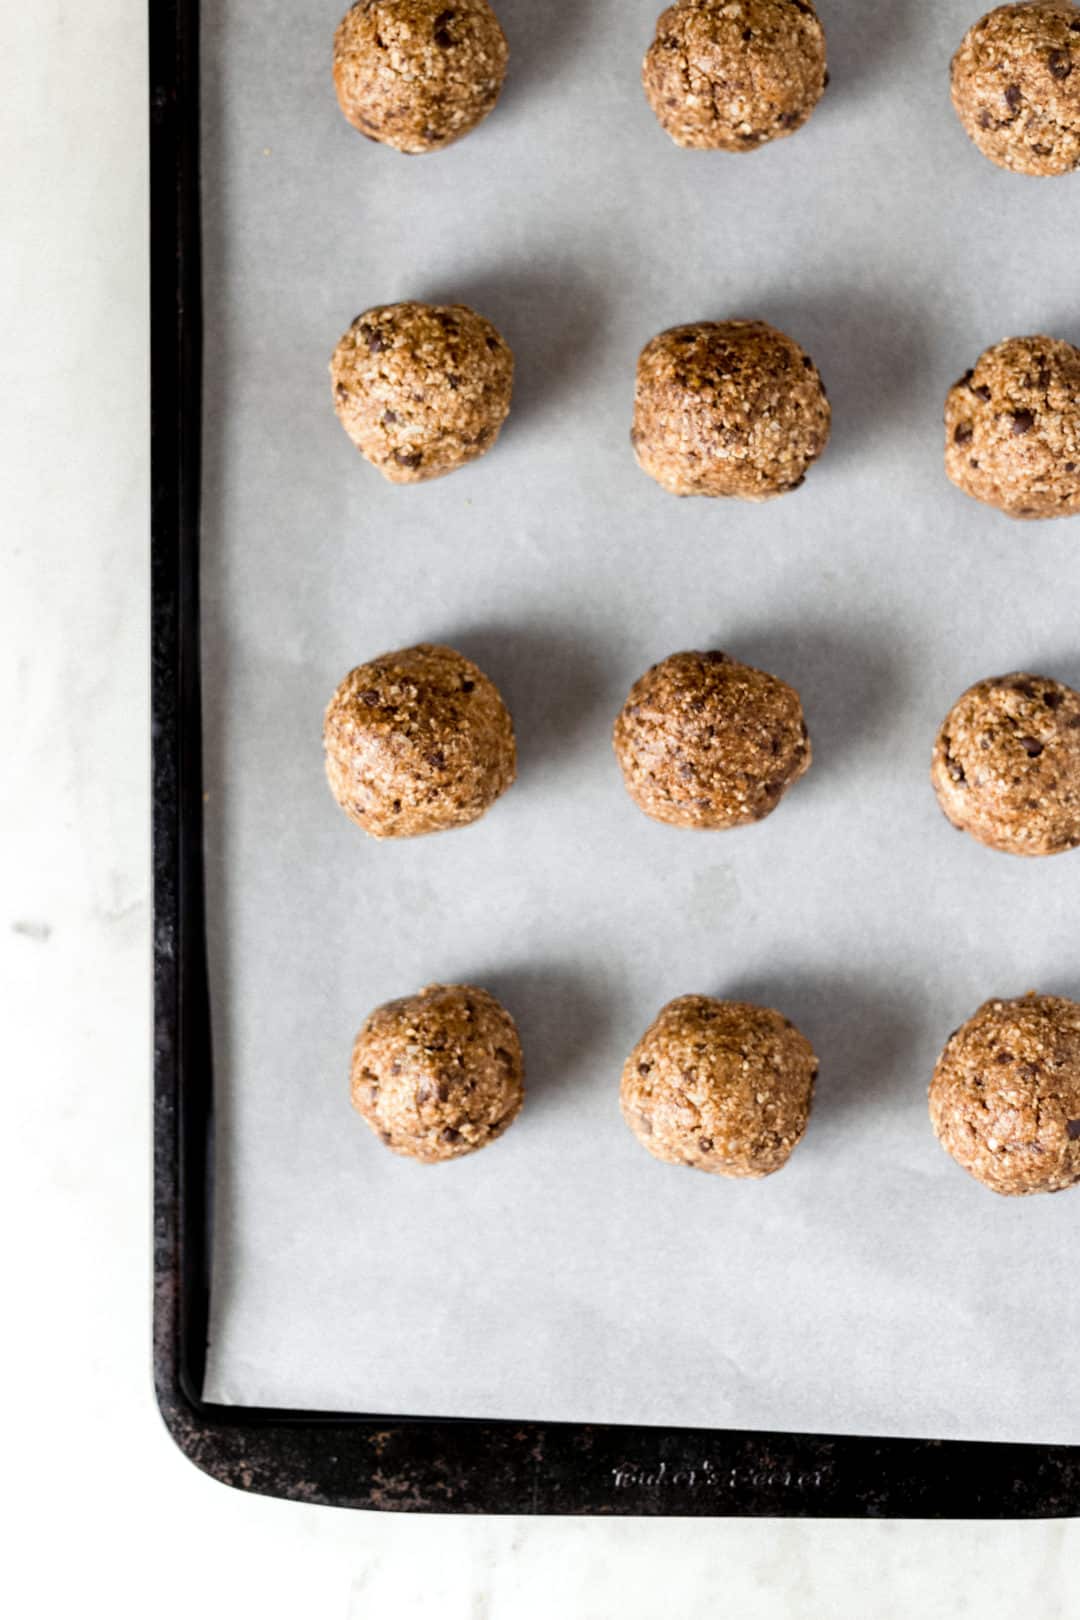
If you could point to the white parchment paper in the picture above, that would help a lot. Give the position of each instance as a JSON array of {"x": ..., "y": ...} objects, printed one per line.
[{"x": 564, "y": 1274}]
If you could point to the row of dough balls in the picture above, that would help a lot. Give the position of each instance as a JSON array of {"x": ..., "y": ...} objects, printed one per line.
[
  {"x": 725, "y": 1086},
  {"x": 721, "y": 408},
  {"x": 420, "y": 741},
  {"x": 725, "y": 75}
]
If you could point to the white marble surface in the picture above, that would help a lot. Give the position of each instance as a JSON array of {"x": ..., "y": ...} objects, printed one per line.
[{"x": 110, "y": 1519}]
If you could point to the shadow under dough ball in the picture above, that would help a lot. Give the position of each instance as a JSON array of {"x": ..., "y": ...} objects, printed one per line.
[
  {"x": 418, "y": 74},
  {"x": 439, "y": 1074},
  {"x": 722, "y": 1086},
  {"x": 417, "y": 741},
  {"x": 1012, "y": 428},
  {"x": 706, "y": 742},
  {"x": 1016, "y": 86},
  {"x": 421, "y": 389},
  {"x": 1006, "y": 765},
  {"x": 731, "y": 408},
  {"x": 1005, "y": 1097},
  {"x": 733, "y": 74}
]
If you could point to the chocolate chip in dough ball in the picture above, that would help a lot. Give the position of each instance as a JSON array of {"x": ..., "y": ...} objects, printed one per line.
[
  {"x": 1016, "y": 86},
  {"x": 421, "y": 390},
  {"x": 417, "y": 741},
  {"x": 728, "y": 408},
  {"x": 733, "y": 74},
  {"x": 704, "y": 741},
  {"x": 418, "y": 74},
  {"x": 439, "y": 1074},
  {"x": 722, "y": 1086},
  {"x": 1005, "y": 1097},
  {"x": 1006, "y": 765},
  {"x": 1012, "y": 428}
]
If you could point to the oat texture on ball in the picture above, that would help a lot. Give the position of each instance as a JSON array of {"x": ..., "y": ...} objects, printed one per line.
[
  {"x": 418, "y": 74},
  {"x": 706, "y": 742},
  {"x": 1012, "y": 428},
  {"x": 417, "y": 741},
  {"x": 421, "y": 389},
  {"x": 722, "y": 1086},
  {"x": 734, "y": 74},
  {"x": 439, "y": 1074},
  {"x": 1006, "y": 765},
  {"x": 728, "y": 408},
  {"x": 1016, "y": 86},
  {"x": 1005, "y": 1096}
]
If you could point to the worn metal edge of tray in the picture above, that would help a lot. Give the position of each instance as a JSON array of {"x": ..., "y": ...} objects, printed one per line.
[{"x": 407, "y": 1464}]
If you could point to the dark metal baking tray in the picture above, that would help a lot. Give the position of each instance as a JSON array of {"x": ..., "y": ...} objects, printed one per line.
[{"x": 390, "y": 1461}]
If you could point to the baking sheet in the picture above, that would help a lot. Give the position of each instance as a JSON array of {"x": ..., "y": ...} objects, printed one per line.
[{"x": 870, "y": 1287}]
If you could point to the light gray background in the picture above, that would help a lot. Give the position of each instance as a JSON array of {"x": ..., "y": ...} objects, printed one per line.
[
  {"x": 870, "y": 1287},
  {"x": 74, "y": 947}
]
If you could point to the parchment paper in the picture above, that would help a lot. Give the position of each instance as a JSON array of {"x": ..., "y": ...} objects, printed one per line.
[{"x": 564, "y": 1274}]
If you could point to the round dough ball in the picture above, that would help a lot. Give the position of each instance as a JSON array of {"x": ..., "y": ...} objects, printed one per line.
[
  {"x": 1005, "y": 1097},
  {"x": 1016, "y": 86},
  {"x": 416, "y": 742},
  {"x": 722, "y": 1086},
  {"x": 439, "y": 1074},
  {"x": 1006, "y": 765},
  {"x": 418, "y": 74},
  {"x": 1012, "y": 428},
  {"x": 735, "y": 75},
  {"x": 704, "y": 741},
  {"x": 420, "y": 389},
  {"x": 728, "y": 408}
]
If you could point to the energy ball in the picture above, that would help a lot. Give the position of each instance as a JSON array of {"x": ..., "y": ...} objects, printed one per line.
[
  {"x": 1016, "y": 86},
  {"x": 1006, "y": 765},
  {"x": 1005, "y": 1097},
  {"x": 733, "y": 74},
  {"x": 704, "y": 741},
  {"x": 421, "y": 389},
  {"x": 416, "y": 742},
  {"x": 1012, "y": 428},
  {"x": 728, "y": 408},
  {"x": 439, "y": 1074},
  {"x": 418, "y": 74},
  {"x": 722, "y": 1086}
]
